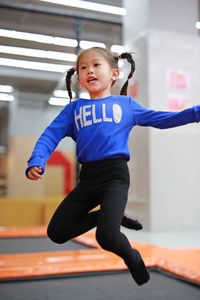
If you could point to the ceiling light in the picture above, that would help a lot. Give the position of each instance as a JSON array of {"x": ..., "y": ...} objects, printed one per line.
[
  {"x": 38, "y": 53},
  {"x": 84, "y": 95},
  {"x": 32, "y": 65},
  {"x": 198, "y": 25},
  {"x": 117, "y": 48},
  {"x": 62, "y": 101},
  {"x": 6, "y": 89},
  {"x": 39, "y": 38},
  {"x": 6, "y": 97},
  {"x": 58, "y": 101},
  {"x": 63, "y": 94},
  {"x": 89, "y": 44},
  {"x": 110, "y": 9},
  {"x": 121, "y": 75},
  {"x": 120, "y": 63}
]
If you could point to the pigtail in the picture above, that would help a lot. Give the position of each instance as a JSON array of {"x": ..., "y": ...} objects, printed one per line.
[
  {"x": 129, "y": 58},
  {"x": 70, "y": 72}
]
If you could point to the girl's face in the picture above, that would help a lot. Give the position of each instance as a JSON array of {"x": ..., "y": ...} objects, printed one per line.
[{"x": 96, "y": 74}]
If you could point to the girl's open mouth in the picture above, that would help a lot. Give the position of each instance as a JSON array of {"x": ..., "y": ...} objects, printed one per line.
[{"x": 91, "y": 79}]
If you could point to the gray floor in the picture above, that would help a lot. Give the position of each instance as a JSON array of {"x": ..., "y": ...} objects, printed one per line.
[
  {"x": 101, "y": 286},
  {"x": 36, "y": 244}
]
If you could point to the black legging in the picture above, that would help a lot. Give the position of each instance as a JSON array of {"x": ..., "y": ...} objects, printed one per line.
[{"x": 106, "y": 183}]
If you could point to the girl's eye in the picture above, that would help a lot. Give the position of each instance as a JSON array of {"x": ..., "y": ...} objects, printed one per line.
[
  {"x": 96, "y": 65},
  {"x": 83, "y": 67}
]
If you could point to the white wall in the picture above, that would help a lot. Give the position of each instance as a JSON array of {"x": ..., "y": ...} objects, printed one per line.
[
  {"x": 164, "y": 167},
  {"x": 174, "y": 153}
]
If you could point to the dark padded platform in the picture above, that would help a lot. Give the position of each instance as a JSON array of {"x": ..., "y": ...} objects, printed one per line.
[
  {"x": 100, "y": 286},
  {"x": 35, "y": 244}
]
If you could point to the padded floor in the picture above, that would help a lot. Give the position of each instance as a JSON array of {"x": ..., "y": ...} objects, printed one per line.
[
  {"x": 27, "y": 252},
  {"x": 35, "y": 244},
  {"x": 100, "y": 286}
]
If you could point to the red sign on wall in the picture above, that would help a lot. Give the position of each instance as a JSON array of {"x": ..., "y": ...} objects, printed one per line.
[
  {"x": 178, "y": 79},
  {"x": 59, "y": 159},
  {"x": 133, "y": 89},
  {"x": 178, "y": 103}
]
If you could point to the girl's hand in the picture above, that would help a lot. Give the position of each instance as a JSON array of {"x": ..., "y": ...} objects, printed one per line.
[{"x": 34, "y": 173}]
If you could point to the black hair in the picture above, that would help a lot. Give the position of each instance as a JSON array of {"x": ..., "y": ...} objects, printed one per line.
[
  {"x": 68, "y": 80},
  {"x": 112, "y": 60},
  {"x": 129, "y": 58}
]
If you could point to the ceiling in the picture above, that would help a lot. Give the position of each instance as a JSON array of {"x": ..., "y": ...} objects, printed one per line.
[{"x": 39, "y": 17}]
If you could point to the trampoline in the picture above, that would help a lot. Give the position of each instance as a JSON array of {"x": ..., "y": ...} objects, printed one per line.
[
  {"x": 36, "y": 244},
  {"x": 88, "y": 272}
]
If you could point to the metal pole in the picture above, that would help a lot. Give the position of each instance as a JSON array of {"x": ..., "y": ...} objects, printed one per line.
[
  {"x": 78, "y": 38},
  {"x": 77, "y": 86}
]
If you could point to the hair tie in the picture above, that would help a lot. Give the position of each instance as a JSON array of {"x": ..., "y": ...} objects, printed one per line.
[
  {"x": 73, "y": 68},
  {"x": 118, "y": 56}
]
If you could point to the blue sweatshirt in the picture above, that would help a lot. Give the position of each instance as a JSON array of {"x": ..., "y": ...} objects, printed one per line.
[{"x": 101, "y": 127}]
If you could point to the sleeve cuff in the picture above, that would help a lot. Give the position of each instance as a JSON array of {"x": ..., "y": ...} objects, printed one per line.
[
  {"x": 197, "y": 113},
  {"x": 35, "y": 162}
]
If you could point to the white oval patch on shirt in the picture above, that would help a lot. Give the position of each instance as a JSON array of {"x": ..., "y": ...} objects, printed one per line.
[{"x": 117, "y": 113}]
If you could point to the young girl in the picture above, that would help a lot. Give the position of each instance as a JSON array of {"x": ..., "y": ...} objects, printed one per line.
[{"x": 100, "y": 126}]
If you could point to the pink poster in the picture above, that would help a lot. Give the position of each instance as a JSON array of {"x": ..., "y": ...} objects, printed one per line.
[
  {"x": 133, "y": 89},
  {"x": 178, "y": 79},
  {"x": 178, "y": 103}
]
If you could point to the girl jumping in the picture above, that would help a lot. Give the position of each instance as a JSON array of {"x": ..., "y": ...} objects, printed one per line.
[{"x": 100, "y": 126}]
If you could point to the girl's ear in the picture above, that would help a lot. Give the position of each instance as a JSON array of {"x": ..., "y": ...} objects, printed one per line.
[
  {"x": 79, "y": 81},
  {"x": 115, "y": 74}
]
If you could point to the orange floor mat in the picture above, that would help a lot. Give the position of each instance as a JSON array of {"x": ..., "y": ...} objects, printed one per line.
[
  {"x": 181, "y": 262},
  {"x": 37, "y": 231},
  {"x": 6, "y": 232}
]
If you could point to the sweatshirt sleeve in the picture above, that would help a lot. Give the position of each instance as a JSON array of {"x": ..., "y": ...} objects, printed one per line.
[
  {"x": 164, "y": 119},
  {"x": 49, "y": 140}
]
